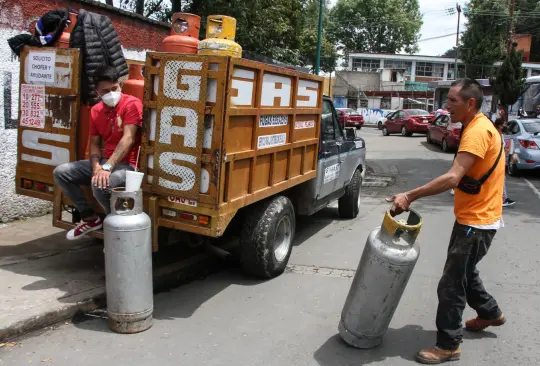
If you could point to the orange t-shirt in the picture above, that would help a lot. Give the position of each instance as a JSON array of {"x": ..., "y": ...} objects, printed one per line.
[{"x": 481, "y": 139}]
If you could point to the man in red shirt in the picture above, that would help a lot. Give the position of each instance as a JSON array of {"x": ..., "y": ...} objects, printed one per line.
[{"x": 115, "y": 138}]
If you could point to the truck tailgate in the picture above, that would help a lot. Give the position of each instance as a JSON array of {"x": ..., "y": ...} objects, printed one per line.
[{"x": 45, "y": 141}]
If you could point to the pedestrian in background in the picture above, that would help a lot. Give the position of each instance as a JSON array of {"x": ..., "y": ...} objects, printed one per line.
[
  {"x": 500, "y": 125},
  {"x": 478, "y": 211}
]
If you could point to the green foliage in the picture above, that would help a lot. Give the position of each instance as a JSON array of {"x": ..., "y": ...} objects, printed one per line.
[
  {"x": 388, "y": 26},
  {"x": 450, "y": 53},
  {"x": 508, "y": 82},
  {"x": 308, "y": 37},
  {"x": 484, "y": 40}
]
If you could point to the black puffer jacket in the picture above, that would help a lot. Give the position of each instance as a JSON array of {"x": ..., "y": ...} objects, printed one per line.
[{"x": 95, "y": 35}]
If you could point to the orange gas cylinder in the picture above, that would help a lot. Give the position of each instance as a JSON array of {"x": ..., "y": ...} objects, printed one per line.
[
  {"x": 134, "y": 85},
  {"x": 184, "y": 36},
  {"x": 83, "y": 132},
  {"x": 63, "y": 41}
]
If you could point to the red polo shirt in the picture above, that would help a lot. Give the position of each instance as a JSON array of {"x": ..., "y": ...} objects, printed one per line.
[{"x": 108, "y": 123}]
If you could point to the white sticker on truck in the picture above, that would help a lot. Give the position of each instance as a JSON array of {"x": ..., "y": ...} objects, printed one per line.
[
  {"x": 183, "y": 201},
  {"x": 271, "y": 140},
  {"x": 331, "y": 172},
  {"x": 273, "y": 121},
  {"x": 304, "y": 124}
]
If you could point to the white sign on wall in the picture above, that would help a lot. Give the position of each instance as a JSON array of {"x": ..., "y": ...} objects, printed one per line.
[{"x": 41, "y": 66}]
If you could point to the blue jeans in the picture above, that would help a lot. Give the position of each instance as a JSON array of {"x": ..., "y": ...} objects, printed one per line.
[{"x": 71, "y": 176}]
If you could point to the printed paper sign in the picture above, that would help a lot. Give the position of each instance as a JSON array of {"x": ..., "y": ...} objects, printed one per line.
[
  {"x": 330, "y": 173},
  {"x": 32, "y": 106},
  {"x": 304, "y": 124},
  {"x": 273, "y": 121},
  {"x": 41, "y": 66},
  {"x": 183, "y": 201},
  {"x": 272, "y": 140}
]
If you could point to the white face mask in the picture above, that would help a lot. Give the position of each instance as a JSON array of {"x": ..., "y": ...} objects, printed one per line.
[{"x": 111, "y": 98}]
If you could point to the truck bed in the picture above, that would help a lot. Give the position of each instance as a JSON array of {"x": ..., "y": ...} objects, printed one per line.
[{"x": 222, "y": 133}]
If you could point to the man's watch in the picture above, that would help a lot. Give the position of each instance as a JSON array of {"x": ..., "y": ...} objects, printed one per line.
[{"x": 106, "y": 167}]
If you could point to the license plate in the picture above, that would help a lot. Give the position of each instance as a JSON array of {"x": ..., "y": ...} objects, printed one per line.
[{"x": 182, "y": 201}]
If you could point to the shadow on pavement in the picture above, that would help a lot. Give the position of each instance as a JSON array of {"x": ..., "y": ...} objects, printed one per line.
[
  {"x": 435, "y": 148},
  {"x": 403, "y": 342},
  {"x": 181, "y": 302}
]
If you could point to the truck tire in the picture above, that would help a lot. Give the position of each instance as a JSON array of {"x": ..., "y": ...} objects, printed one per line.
[
  {"x": 266, "y": 237},
  {"x": 349, "y": 204}
]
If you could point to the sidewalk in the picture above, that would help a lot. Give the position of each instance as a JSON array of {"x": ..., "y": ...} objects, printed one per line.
[{"x": 46, "y": 279}]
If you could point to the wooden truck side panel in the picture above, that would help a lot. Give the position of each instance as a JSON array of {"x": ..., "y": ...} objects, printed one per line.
[
  {"x": 256, "y": 135},
  {"x": 46, "y": 141},
  {"x": 271, "y": 132}
]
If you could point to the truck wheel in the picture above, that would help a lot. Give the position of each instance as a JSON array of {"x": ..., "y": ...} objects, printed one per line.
[
  {"x": 266, "y": 238},
  {"x": 349, "y": 204}
]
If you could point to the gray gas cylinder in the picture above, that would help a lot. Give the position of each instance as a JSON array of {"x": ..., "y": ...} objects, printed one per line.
[
  {"x": 128, "y": 263},
  {"x": 387, "y": 262}
]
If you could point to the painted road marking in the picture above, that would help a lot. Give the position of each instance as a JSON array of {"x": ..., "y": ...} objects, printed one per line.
[{"x": 531, "y": 186}]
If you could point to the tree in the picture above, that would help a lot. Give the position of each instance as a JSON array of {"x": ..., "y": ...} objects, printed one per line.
[
  {"x": 527, "y": 16},
  {"x": 383, "y": 26},
  {"x": 265, "y": 27},
  {"x": 308, "y": 37},
  {"x": 508, "y": 82},
  {"x": 484, "y": 40},
  {"x": 450, "y": 53}
]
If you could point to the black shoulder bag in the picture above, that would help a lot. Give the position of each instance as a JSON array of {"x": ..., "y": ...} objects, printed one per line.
[{"x": 472, "y": 186}]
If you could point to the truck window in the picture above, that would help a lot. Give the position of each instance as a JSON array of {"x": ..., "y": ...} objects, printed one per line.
[{"x": 328, "y": 133}]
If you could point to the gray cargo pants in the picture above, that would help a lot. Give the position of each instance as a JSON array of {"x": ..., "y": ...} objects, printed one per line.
[{"x": 71, "y": 176}]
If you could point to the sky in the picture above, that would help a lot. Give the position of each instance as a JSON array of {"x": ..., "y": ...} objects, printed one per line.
[{"x": 437, "y": 22}]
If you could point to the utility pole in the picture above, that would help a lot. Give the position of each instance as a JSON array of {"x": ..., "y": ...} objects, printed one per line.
[
  {"x": 319, "y": 39},
  {"x": 458, "y": 8},
  {"x": 512, "y": 5}
]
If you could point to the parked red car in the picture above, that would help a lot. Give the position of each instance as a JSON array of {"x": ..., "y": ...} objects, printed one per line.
[
  {"x": 348, "y": 117},
  {"x": 444, "y": 132},
  {"x": 407, "y": 122}
]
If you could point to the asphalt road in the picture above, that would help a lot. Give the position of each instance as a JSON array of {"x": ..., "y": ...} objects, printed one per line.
[{"x": 229, "y": 319}]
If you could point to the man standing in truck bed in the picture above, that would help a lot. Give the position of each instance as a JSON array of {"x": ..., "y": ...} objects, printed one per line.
[{"x": 114, "y": 126}]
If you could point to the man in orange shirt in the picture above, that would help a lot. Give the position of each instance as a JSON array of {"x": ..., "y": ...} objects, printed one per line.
[{"x": 478, "y": 211}]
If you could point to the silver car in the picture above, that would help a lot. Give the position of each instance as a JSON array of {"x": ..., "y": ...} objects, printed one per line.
[{"x": 525, "y": 137}]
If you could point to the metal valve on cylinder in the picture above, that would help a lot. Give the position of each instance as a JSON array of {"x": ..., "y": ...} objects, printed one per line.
[
  {"x": 387, "y": 263},
  {"x": 128, "y": 263}
]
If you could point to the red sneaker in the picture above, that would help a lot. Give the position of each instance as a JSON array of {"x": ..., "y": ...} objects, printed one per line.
[{"x": 83, "y": 228}]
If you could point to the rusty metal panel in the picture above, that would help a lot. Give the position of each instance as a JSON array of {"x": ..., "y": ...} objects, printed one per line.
[{"x": 43, "y": 146}]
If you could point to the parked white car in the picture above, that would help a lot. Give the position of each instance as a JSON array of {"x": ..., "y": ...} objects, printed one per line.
[{"x": 381, "y": 120}]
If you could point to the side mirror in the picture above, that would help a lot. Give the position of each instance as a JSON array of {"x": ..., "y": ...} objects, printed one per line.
[{"x": 350, "y": 134}]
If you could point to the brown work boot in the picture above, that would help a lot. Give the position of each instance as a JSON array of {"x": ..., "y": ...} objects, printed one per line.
[
  {"x": 477, "y": 324},
  {"x": 436, "y": 355}
]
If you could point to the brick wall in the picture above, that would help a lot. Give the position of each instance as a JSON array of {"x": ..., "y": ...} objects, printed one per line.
[{"x": 137, "y": 36}]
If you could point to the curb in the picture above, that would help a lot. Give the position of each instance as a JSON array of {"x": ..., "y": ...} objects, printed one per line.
[{"x": 166, "y": 277}]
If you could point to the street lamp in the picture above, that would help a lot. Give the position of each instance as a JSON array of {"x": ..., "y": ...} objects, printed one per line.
[{"x": 319, "y": 39}]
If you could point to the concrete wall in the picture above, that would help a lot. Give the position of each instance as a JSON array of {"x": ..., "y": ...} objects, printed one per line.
[
  {"x": 361, "y": 80},
  {"x": 137, "y": 36}
]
